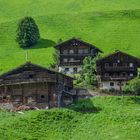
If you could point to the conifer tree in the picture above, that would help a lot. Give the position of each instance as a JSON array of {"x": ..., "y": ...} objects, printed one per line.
[{"x": 27, "y": 32}]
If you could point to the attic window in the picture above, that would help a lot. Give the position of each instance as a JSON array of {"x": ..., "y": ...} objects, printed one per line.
[{"x": 75, "y": 44}]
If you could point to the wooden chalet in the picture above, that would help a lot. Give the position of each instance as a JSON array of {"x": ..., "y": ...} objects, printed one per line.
[
  {"x": 31, "y": 84},
  {"x": 116, "y": 69},
  {"x": 72, "y": 53}
]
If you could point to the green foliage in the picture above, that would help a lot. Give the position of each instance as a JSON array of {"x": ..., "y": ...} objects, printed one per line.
[
  {"x": 88, "y": 73},
  {"x": 27, "y": 32},
  {"x": 132, "y": 87},
  {"x": 118, "y": 118}
]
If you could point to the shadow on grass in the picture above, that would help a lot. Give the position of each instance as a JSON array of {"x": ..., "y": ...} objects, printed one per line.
[
  {"x": 43, "y": 43},
  {"x": 84, "y": 106},
  {"x": 136, "y": 99}
]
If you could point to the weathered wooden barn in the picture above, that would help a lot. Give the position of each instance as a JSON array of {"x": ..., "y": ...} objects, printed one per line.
[
  {"x": 116, "y": 69},
  {"x": 31, "y": 84},
  {"x": 72, "y": 53}
]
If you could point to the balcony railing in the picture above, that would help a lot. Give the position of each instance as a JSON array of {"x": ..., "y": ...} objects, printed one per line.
[
  {"x": 117, "y": 78},
  {"x": 77, "y": 54},
  {"x": 119, "y": 68},
  {"x": 51, "y": 78},
  {"x": 71, "y": 63}
]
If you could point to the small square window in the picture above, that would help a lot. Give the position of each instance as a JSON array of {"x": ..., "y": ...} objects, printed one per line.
[
  {"x": 124, "y": 64},
  {"x": 42, "y": 96},
  {"x": 80, "y": 51},
  {"x": 75, "y": 70},
  {"x": 66, "y": 69},
  {"x": 131, "y": 65},
  {"x": 65, "y": 52},
  {"x": 106, "y": 65},
  {"x": 114, "y": 64},
  {"x": 65, "y": 60},
  {"x": 71, "y": 59},
  {"x": 112, "y": 84},
  {"x": 106, "y": 74},
  {"x": 86, "y": 51},
  {"x": 131, "y": 74},
  {"x": 71, "y": 51}
]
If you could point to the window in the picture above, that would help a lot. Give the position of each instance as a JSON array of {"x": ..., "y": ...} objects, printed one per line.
[
  {"x": 80, "y": 51},
  {"x": 111, "y": 84},
  {"x": 66, "y": 69},
  {"x": 106, "y": 74},
  {"x": 131, "y": 65},
  {"x": 4, "y": 97},
  {"x": 131, "y": 74},
  {"x": 75, "y": 70},
  {"x": 42, "y": 96},
  {"x": 65, "y": 60},
  {"x": 75, "y": 44},
  {"x": 106, "y": 65},
  {"x": 71, "y": 51},
  {"x": 71, "y": 59},
  {"x": 65, "y": 52},
  {"x": 124, "y": 74},
  {"x": 118, "y": 61},
  {"x": 114, "y": 64},
  {"x": 124, "y": 64},
  {"x": 115, "y": 75},
  {"x": 86, "y": 51},
  {"x": 30, "y": 76}
]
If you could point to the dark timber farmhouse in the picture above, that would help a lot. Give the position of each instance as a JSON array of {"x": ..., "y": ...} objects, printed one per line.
[
  {"x": 72, "y": 53},
  {"x": 116, "y": 69},
  {"x": 31, "y": 84}
]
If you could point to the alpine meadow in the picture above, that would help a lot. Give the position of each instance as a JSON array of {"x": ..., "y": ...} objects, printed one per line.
[{"x": 110, "y": 25}]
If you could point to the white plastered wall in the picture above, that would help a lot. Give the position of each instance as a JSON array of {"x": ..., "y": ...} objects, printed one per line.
[
  {"x": 106, "y": 85},
  {"x": 71, "y": 69}
]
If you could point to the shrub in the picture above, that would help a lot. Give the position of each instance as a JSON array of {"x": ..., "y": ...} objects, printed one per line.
[{"x": 132, "y": 87}]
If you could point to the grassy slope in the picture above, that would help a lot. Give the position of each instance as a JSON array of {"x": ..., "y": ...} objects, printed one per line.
[
  {"x": 117, "y": 119},
  {"x": 108, "y": 24}
]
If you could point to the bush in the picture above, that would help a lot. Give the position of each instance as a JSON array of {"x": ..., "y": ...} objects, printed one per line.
[
  {"x": 27, "y": 32},
  {"x": 132, "y": 87}
]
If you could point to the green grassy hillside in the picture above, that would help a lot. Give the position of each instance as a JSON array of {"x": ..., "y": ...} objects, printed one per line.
[
  {"x": 100, "y": 118},
  {"x": 108, "y": 24}
]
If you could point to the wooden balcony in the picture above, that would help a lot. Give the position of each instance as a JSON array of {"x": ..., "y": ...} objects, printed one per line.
[
  {"x": 77, "y": 54},
  {"x": 119, "y": 68},
  {"x": 71, "y": 63},
  {"x": 51, "y": 78},
  {"x": 116, "y": 78}
]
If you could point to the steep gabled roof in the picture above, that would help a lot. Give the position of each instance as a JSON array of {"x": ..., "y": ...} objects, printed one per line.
[
  {"x": 30, "y": 66},
  {"x": 118, "y": 53},
  {"x": 75, "y": 40}
]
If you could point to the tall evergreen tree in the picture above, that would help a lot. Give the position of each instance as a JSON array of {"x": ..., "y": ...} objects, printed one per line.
[{"x": 27, "y": 32}]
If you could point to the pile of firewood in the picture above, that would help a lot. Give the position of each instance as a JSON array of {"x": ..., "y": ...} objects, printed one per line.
[{"x": 24, "y": 108}]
